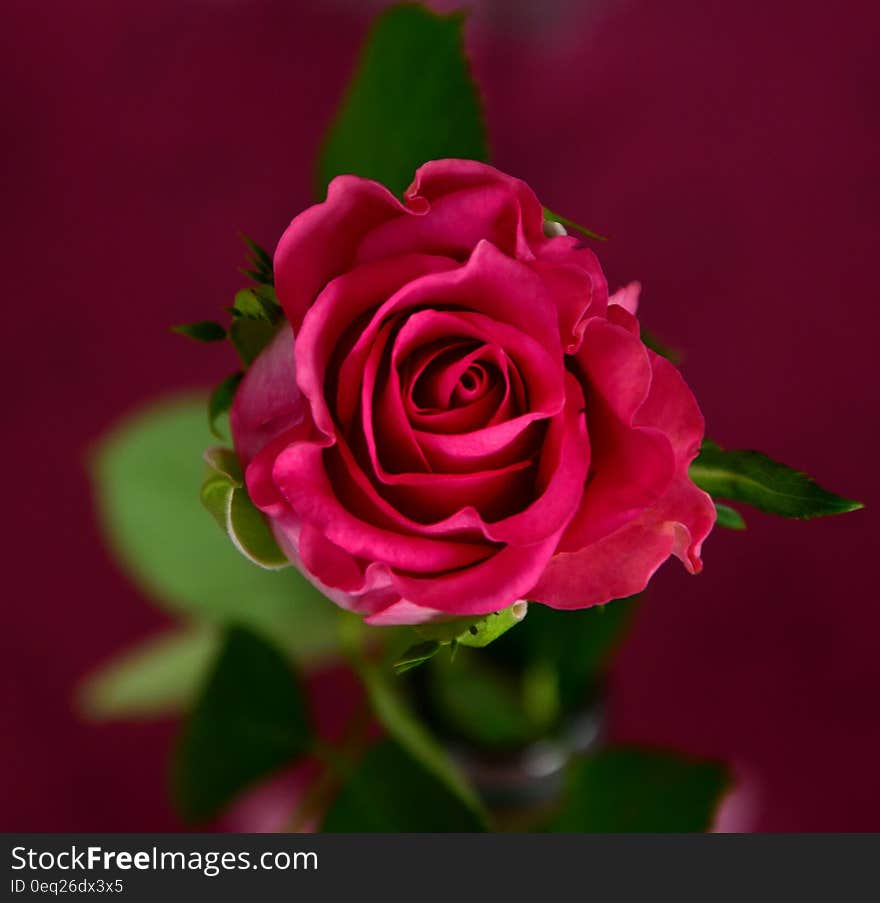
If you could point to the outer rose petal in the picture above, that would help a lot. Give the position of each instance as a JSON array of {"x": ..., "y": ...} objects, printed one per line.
[
  {"x": 623, "y": 562},
  {"x": 633, "y": 463},
  {"x": 268, "y": 401},
  {"x": 321, "y": 242},
  {"x": 441, "y": 177}
]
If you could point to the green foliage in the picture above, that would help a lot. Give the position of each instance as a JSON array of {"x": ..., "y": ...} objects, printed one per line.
[
  {"x": 158, "y": 677},
  {"x": 202, "y": 331},
  {"x": 412, "y": 99},
  {"x": 250, "y": 337},
  {"x": 256, "y": 315},
  {"x": 391, "y": 791},
  {"x": 572, "y": 226},
  {"x": 259, "y": 262},
  {"x": 249, "y": 721},
  {"x": 416, "y": 655},
  {"x": 146, "y": 474},
  {"x": 752, "y": 477},
  {"x": 475, "y": 631},
  {"x": 394, "y": 714},
  {"x": 577, "y": 644},
  {"x": 221, "y": 401},
  {"x": 673, "y": 355},
  {"x": 729, "y": 517},
  {"x": 528, "y": 681},
  {"x": 257, "y": 303},
  {"x": 633, "y": 790},
  {"x": 480, "y": 702},
  {"x": 226, "y": 499}
]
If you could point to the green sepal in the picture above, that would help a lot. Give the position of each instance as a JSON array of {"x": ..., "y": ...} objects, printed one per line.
[
  {"x": 673, "y": 355},
  {"x": 201, "y": 331},
  {"x": 754, "y": 478},
  {"x": 571, "y": 224},
  {"x": 257, "y": 303},
  {"x": 225, "y": 497},
  {"x": 259, "y": 262},
  {"x": 477, "y": 631},
  {"x": 221, "y": 401},
  {"x": 250, "y": 337},
  {"x": 729, "y": 517},
  {"x": 416, "y": 655}
]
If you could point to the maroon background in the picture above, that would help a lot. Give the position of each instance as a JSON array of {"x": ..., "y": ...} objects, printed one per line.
[{"x": 729, "y": 149}]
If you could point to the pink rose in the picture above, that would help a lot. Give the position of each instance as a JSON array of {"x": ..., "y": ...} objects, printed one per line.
[{"x": 464, "y": 417}]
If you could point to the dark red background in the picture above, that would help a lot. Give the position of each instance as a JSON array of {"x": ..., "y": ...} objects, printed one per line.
[{"x": 731, "y": 149}]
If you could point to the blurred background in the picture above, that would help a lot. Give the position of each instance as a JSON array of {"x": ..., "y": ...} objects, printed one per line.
[{"x": 730, "y": 149}]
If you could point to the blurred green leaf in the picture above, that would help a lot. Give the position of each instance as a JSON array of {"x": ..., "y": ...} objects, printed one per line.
[
  {"x": 577, "y": 644},
  {"x": 633, "y": 790},
  {"x": 146, "y": 472},
  {"x": 729, "y": 517},
  {"x": 158, "y": 677},
  {"x": 479, "y": 702},
  {"x": 390, "y": 791},
  {"x": 411, "y": 99},
  {"x": 203, "y": 331},
  {"x": 754, "y": 478},
  {"x": 249, "y": 721}
]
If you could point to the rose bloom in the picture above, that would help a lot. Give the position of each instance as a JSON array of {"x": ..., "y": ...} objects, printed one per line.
[{"x": 456, "y": 416}]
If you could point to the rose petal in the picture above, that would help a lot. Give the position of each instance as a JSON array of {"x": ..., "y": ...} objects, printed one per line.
[
  {"x": 267, "y": 401},
  {"x": 627, "y": 297},
  {"x": 320, "y": 243}
]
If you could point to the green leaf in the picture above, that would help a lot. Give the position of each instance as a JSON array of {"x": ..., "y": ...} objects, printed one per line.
[
  {"x": 202, "y": 331},
  {"x": 412, "y": 99},
  {"x": 633, "y": 790},
  {"x": 221, "y": 401},
  {"x": 571, "y": 224},
  {"x": 752, "y": 477},
  {"x": 146, "y": 472},
  {"x": 416, "y": 655},
  {"x": 729, "y": 517},
  {"x": 225, "y": 496},
  {"x": 159, "y": 677},
  {"x": 390, "y": 791},
  {"x": 249, "y": 721}
]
